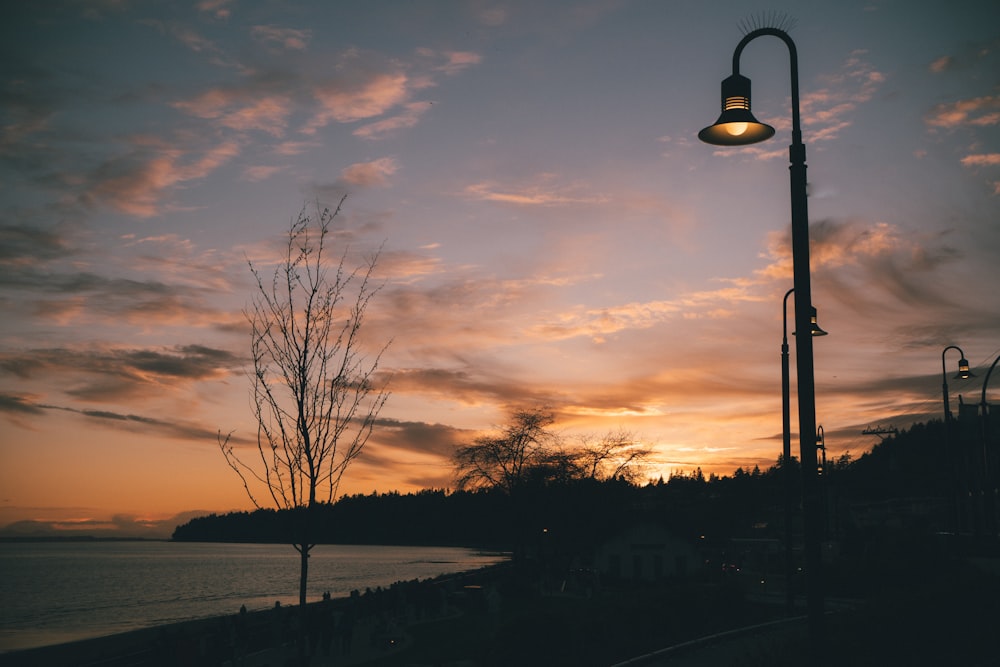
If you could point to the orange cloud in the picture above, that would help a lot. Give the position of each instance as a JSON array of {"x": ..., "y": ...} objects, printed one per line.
[
  {"x": 979, "y": 111},
  {"x": 832, "y": 244},
  {"x": 981, "y": 160}
]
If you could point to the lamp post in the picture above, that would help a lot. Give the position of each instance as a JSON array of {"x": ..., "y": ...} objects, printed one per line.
[
  {"x": 823, "y": 481},
  {"x": 989, "y": 484},
  {"x": 963, "y": 374},
  {"x": 786, "y": 449},
  {"x": 736, "y": 126}
]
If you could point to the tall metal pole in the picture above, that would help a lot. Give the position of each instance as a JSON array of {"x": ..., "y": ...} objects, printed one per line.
[
  {"x": 989, "y": 481},
  {"x": 786, "y": 452},
  {"x": 954, "y": 500},
  {"x": 802, "y": 286}
]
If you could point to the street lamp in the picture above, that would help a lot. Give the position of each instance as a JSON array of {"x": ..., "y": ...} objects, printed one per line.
[
  {"x": 736, "y": 126},
  {"x": 963, "y": 374},
  {"x": 988, "y": 477},
  {"x": 786, "y": 450}
]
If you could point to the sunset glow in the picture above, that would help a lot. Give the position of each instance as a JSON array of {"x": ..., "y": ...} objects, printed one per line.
[{"x": 552, "y": 231}]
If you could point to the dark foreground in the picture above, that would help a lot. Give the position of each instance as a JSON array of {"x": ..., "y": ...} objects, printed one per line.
[{"x": 500, "y": 617}]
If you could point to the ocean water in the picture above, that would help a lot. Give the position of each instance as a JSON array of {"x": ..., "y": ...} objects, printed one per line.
[{"x": 53, "y": 592}]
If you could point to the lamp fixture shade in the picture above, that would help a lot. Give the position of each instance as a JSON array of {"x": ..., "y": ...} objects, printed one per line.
[
  {"x": 736, "y": 126},
  {"x": 963, "y": 370},
  {"x": 814, "y": 327}
]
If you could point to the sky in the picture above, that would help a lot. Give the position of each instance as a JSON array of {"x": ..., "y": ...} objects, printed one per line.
[{"x": 552, "y": 232}]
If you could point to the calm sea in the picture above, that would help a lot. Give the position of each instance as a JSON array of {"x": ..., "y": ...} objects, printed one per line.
[{"x": 57, "y": 592}]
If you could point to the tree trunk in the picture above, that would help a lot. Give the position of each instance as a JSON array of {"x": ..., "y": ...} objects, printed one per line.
[{"x": 302, "y": 634}]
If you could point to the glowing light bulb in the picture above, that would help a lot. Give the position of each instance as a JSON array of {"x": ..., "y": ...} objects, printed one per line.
[{"x": 736, "y": 129}]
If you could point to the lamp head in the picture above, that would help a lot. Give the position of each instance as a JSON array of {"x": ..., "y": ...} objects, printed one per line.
[
  {"x": 963, "y": 370},
  {"x": 813, "y": 326},
  {"x": 736, "y": 126}
]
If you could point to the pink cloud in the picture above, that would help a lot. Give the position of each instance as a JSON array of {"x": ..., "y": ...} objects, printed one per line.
[
  {"x": 261, "y": 172},
  {"x": 827, "y": 111},
  {"x": 370, "y": 98},
  {"x": 140, "y": 187},
  {"x": 408, "y": 118},
  {"x": 368, "y": 174},
  {"x": 981, "y": 160},
  {"x": 544, "y": 193},
  {"x": 979, "y": 111},
  {"x": 241, "y": 109}
]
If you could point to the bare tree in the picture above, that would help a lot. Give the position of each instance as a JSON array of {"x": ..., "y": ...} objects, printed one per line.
[
  {"x": 503, "y": 461},
  {"x": 314, "y": 395},
  {"x": 616, "y": 455}
]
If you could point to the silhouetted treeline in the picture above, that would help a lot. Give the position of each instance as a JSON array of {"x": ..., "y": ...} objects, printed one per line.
[{"x": 577, "y": 512}]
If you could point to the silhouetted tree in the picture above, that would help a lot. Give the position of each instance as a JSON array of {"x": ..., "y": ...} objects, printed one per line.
[
  {"x": 504, "y": 461},
  {"x": 314, "y": 392},
  {"x": 615, "y": 456}
]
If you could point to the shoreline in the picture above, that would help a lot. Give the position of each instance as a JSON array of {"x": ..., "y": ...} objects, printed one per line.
[{"x": 354, "y": 621}]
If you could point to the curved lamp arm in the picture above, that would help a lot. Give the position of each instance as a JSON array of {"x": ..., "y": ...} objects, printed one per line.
[{"x": 794, "y": 58}]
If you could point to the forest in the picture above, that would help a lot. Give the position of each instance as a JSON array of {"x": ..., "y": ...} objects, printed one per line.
[{"x": 905, "y": 472}]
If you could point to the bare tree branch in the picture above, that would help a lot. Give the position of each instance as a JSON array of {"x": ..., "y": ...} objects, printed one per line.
[{"x": 313, "y": 389}]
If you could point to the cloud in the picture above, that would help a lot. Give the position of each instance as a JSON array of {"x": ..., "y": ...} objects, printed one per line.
[
  {"x": 976, "y": 112},
  {"x": 241, "y": 108},
  {"x": 68, "y": 298},
  {"x": 183, "y": 34},
  {"x": 369, "y": 174},
  {"x": 544, "y": 193},
  {"x": 366, "y": 86},
  {"x": 451, "y": 62},
  {"x": 174, "y": 428},
  {"x": 136, "y": 182},
  {"x": 218, "y": 8},
  {"x": 409, "y": 117},
  {"x": 18, "y": 404},
  {"x": 25, "y": 246},
  {"x": 421, "y": 437},
  {"x": 829, "y": 109},
  {"x": 102, "y": 374},
  {"x": 596, "y": 323},
  {"x": 483, "y": 385},
  {"x": 118, "y": 526},
  {"x": 292, "y": 39},
  {"x": 403, "y": 267},
  {"x": 138, "y": 170},
  {"x": 347, "y": 101},
  {"x": 981, "y": 160},
  {"x": 942, "y": 64},
  {"x": 832, "y": 244},
  {"x": 261, "y": 172}
]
